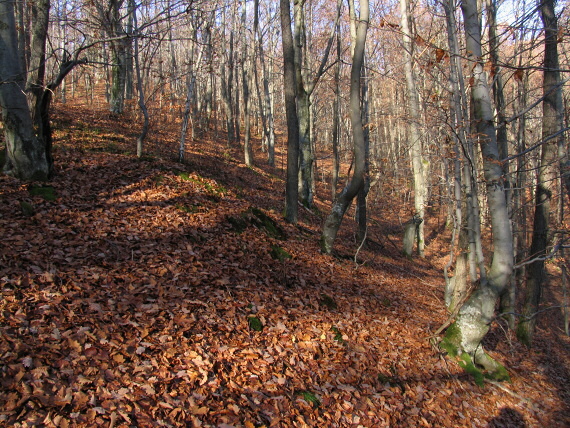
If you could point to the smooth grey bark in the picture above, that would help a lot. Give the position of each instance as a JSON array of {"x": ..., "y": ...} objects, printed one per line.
[
  {"x": 246, "y": 83},
  {"x": 227, "y": 82},
  {"x": 457, "y": 287},
  {"x": 552, "y": 123},
  {"x": 118, "y": 57},
  {"x": 336, "y": 117},
  {"x": 129, "y": 53},
  {"x": 361, "y": 198},
  {"x": 476, "y": 314},
  {"x": 140, "y": 87},
  {"x": 193, "y": 66},
  {"x": 507, "y": 299},
  {"x": 340, "y": 205},
  {"x": 265, "y": 104},
  {"x": 289, "y": 88},
  {"x": 305, "y": 88},
  {"x": 420, "y": 166}
]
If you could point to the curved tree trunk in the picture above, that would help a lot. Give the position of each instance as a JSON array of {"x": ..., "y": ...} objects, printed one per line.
[{"x": 340, "y": 205}]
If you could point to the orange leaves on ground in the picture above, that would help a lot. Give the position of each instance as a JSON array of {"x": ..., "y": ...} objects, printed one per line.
[{"x": 125, "y": 302}]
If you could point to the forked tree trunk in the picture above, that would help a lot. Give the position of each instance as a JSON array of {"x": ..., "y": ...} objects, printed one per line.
[
  {"x": 305, "y": 88},
  {"x": 477, "y": 313},
  {"x": 340, "y": 205}
]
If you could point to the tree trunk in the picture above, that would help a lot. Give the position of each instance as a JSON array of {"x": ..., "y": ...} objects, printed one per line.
[
  {"x": 246, "y": 82},
  {"x": 142, "y": 105},
  {"x": 552, "y": 123},
  {"x": 419, "y": 165},
  {"x": 304, "y": 92},
  {"x": 118, "y": 59},
  {"x": 28, "y": 150},
  {"x": 336, "y": 118},
  {"x": 289, "y": 85},
  {"x": 340, "y": 205},
  {"x": 476, "y": 314}
]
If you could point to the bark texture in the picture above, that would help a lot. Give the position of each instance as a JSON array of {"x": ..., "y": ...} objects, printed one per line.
[
  {"x": 28, "y": 150},
  {"x": 477, "y": 313},
  {"x": 552, "y": 123},
  {"x": 340, "y": 205},
  {"x": 289, "y": 84}
]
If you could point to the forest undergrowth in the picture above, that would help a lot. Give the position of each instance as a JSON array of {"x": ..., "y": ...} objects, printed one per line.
[{"x": 146, "y": 292}]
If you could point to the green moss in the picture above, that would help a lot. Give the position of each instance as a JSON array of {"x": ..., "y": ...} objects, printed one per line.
[
  {"x": 491, "y": 369},
  {"x": 310, "y": 398},
  {"x": 213, "y": 189},
  {"x": 451, "y": 340},
  {"x": 254, "y": 323},
  {"x": 192, "y": 209},
  {"x": 185, "y": 176},
  {"x": 266, "y": 223},
  {"x": 328, "y": 302},
  {"x": 27, "y": 209},
  {"x": 278, "y": 253},
  {"x": 337, "y": 334},
  {"x": 158, "y": 180},
  {"x": 238, "y": 224},
  {"x": 46, "y": 192},
  {"x": 466, "y": 363},
  {"x": 500, "y": 374}
]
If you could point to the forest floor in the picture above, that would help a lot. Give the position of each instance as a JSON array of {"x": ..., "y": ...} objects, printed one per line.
[{"x": 145, "y": 292}]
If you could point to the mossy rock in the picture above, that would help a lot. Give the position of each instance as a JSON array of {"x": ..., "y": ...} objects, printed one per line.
[
  {"x": 46, "y": 192},
  {"x": 238, "y": 224},
  {"x": 328, "y": 302},
  {"x": 28, "y": 209},
  {"x": 270, "y": 226},
  {"x": 278, "y": 253}
]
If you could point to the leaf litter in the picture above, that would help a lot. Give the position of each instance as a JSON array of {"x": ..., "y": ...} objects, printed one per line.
[{"x": 118, "y": 308}]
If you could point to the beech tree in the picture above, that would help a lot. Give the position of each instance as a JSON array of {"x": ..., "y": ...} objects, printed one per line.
[
  {"x": 553, "y": 148},
  {"x": 343, "y": 200},
  {"x": 25, "y": 96},
  {"x": 419, "y": 164},
  {"x": 473, "y": 321}
]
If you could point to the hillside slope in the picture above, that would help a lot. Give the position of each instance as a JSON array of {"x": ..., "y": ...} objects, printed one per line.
[{"x": 150, "y": 293}]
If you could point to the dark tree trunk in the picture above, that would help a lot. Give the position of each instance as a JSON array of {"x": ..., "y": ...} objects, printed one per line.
[
  {"x": 552, "y": 122},
  {"x": 289, "y": 84}
]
